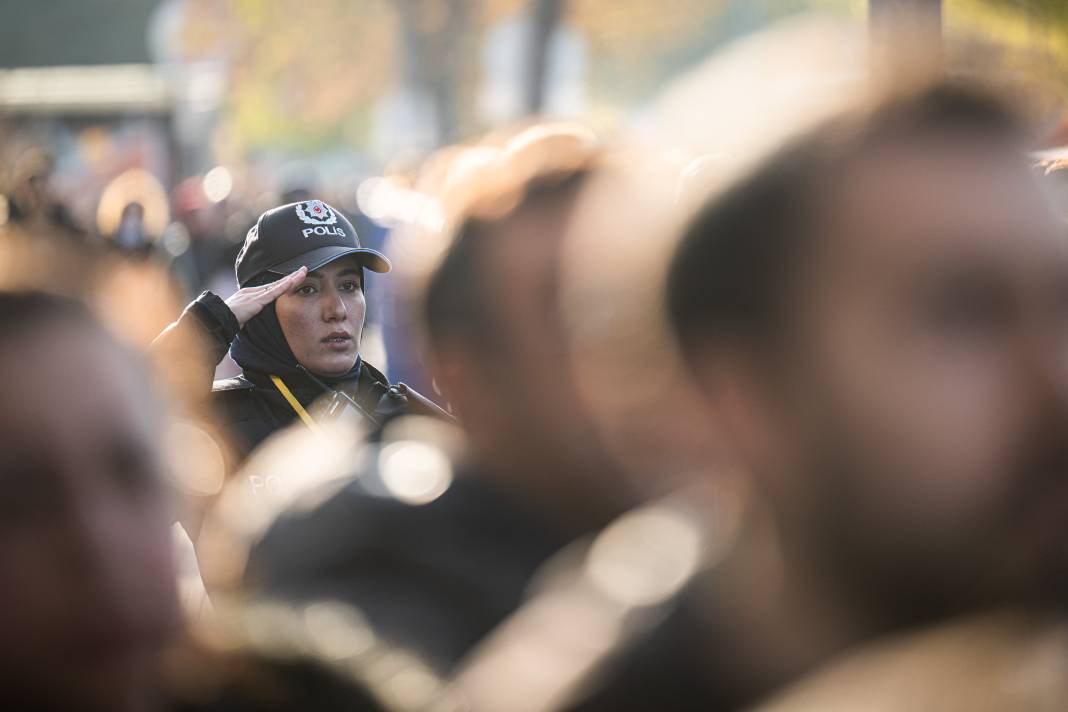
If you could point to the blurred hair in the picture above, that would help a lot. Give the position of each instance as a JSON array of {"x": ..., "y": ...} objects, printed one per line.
[
  {"x": 25, "y": 310},
  {"x": 547, "y": 166},
  {"x": 738, "y": 259}
]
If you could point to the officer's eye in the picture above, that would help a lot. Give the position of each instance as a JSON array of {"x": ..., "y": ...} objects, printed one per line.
[
  {"x": 351, "y": 286},
  {"x": 306, "y": 290}
]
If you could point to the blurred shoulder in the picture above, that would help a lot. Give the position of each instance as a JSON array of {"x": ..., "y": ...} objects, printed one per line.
[
  {"x": 269, "y": 655},
  {"x": 376, "y": 517}
]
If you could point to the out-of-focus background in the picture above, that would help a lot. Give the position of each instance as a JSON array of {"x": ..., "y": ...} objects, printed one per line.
[
  {"x": 588, "y": 525},
  {"x": 165, "y": 127}
]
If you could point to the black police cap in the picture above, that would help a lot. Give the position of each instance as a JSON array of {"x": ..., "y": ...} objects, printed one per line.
[{"x": 305, "y": 234}]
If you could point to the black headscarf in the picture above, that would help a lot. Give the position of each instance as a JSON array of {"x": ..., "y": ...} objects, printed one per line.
[{"x": 261, "y": 346}]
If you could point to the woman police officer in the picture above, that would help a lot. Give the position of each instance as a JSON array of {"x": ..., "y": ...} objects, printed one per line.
[{"x": 294, "y": 327}]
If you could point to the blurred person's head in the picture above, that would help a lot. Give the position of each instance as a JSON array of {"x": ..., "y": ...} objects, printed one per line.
[
  {"x": 319, "y": 325},
  {"x": 131, "y": 231},
  {"x": 200, "y": 216},
  {"x": 878, "y": 314},
  {"x": 89, "y": 598},
  {"x": 31, "y": 194},
  {"x": 133, "y": 212},
  {"x": 495, "y": 330},
  {"x": 296, "y": 194}
]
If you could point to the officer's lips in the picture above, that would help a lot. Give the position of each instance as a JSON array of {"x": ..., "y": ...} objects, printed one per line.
[{"x": 337, "y": 341}]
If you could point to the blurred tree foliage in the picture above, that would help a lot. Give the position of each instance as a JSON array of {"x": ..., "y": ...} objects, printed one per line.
[
  {"x": 1034, "y": 33},
  {"x": 301, "y": 72},
  {"x": 305, "y": 74}
]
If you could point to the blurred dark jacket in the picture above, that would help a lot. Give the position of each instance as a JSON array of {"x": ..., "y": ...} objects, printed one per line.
[
  {"x": 245, "y": 682},
  {"x": 433, "y": 578},
  {"x": 264, "y": 656},
  {"x": 250, "y": 406}
]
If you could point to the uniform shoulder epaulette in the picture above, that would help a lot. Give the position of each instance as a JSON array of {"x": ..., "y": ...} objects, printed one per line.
[
  {"x": 237, "y": 383},
  {"x": 417, "y": 403}
]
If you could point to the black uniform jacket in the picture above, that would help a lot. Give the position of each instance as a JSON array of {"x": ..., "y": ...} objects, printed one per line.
[{"x": 250, "y": 406}]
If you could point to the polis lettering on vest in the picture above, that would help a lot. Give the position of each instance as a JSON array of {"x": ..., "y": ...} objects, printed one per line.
[{"x": 320, "y": 230}]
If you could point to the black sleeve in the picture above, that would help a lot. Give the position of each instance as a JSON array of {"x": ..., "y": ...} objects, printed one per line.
[
  {"x": 195, "y": 344},
  {"x": 217, "y": 322}
]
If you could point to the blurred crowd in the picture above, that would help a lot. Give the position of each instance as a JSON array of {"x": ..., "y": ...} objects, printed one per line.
[{"x": 763, "y": 405}]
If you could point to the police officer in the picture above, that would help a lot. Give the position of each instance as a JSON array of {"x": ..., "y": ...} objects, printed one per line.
[
  {"x": 294, "y": 326},
  {"x": 530, "y": 474}
]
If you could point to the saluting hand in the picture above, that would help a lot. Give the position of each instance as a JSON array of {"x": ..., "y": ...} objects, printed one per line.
[{"x": 250, "y": 301}]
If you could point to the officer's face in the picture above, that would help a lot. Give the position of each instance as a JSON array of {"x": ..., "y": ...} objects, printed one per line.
[
  {"x": 915, "y": 440},
  {"x": 322, "y": 319},
  {"x": 88, "y": 597}
]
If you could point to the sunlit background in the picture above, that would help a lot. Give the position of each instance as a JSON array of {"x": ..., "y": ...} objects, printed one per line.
[
  {"x": 166, "y": 127},
  {"x": 154, "y": 132}
]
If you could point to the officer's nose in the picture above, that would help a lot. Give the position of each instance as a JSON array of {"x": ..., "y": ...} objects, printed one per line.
[{"x": 334, "y": 306}]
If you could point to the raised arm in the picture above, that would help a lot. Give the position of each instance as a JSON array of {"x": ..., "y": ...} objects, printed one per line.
[{"x": 189, "y": 349}]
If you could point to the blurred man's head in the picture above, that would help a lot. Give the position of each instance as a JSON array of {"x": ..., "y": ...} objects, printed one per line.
[
  {"x": 879, "y": 314},
  {"x": 85, "y": 550},
  {"x": 496, "y": 333}
]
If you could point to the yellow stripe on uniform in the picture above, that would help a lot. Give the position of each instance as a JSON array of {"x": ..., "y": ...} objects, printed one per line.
[{"x": 295, "y": 405}]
